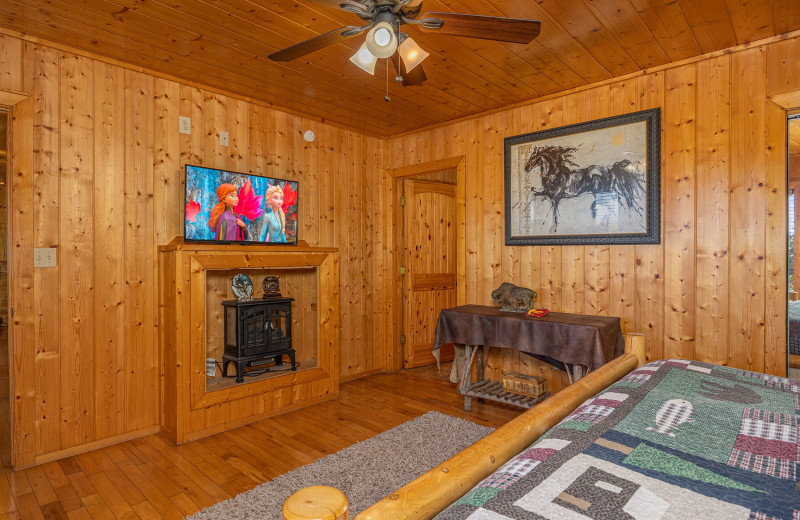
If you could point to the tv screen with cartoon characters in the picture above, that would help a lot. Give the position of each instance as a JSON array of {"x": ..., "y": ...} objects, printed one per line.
[{"x": 223, "y": 206}]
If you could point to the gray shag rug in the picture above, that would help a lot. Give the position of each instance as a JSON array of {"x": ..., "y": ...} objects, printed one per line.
[{"x": 366, "y": 472}]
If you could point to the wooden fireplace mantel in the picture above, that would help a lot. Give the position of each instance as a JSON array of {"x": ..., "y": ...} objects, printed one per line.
[{"x": 189, "y": 412}]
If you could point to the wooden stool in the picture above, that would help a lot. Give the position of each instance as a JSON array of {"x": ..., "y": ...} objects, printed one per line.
[{"x": 316, "y": 503}]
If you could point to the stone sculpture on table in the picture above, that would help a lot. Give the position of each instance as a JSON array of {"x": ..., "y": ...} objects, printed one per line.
[{"x": 514, "y": 298}]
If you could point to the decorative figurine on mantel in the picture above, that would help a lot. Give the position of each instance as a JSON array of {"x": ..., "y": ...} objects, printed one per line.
[
  {"x": 242, "y": 287},
  {"x": 514, "y": 298},
  {"x": 271, "y": 287}
]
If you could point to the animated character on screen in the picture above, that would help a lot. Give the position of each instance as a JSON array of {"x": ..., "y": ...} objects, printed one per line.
[
  {"x": 273, "y": 228},
  {"x": 223, "y": 218}
]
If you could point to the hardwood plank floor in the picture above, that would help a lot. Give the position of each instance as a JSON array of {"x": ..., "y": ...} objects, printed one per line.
[
  {"x": 150, "y": 478},
  {"x": 431, "y": 372}
]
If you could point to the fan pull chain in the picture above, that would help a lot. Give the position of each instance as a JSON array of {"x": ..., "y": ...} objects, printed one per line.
[{"x": 386, "y": 97}]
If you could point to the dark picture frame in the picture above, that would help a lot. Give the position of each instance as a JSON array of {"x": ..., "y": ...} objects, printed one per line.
[{"x": 597, "y": 182}]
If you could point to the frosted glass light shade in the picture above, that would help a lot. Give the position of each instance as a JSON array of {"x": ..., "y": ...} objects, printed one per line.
[
  {"x": 411, "y": 53},
  {"x": 381, "y": 40},
  {"x": 364, "y": 59}
]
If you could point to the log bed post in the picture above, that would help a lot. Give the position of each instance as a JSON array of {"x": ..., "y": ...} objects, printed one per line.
[
  {"x": 316, "y": 503},
  {"x": 433, "y": 491}
]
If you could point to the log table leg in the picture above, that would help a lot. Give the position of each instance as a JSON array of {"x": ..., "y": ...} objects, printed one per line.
[
  {"x": 466, "y": 375},
  {"x": 482, "y": 356}
]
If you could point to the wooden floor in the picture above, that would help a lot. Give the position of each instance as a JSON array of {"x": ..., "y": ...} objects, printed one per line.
[
  {"x": 432, "y": 373},
  {"x": 150, "y": 478}
]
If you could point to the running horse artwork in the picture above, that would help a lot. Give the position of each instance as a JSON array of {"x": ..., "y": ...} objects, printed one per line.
[
  {"x": 560, "y": 179},
  {"x": 591, "y": 183}
]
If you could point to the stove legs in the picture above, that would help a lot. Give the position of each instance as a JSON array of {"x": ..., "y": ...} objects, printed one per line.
[
  {"x": 242, "y": 364},
  {"x": 239, "y": 369}
]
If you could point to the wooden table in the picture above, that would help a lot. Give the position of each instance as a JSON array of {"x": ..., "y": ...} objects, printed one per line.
[{"x": 581, "y": 342}]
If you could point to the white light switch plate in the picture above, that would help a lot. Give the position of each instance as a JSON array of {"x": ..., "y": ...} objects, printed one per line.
[
  {"x": 186, "y": 125},
  {"x": 223, "y": 138},
  {"x": 44, "y": 257}
]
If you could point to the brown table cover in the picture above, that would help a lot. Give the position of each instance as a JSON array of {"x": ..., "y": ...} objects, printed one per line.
[{"x": 578, "y": 339}]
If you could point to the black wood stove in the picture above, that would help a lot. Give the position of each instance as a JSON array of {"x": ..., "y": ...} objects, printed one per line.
[{"x": 257, "y": 332}]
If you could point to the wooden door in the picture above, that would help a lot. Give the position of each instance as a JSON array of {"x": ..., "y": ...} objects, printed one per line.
[{"x": 430, "y": 263}]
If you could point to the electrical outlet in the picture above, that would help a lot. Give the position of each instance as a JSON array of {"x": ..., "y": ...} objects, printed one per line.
[
  {"x": 223, "y": 138},
  {"x": 186, "y": 125},
  {"x": 44, "y": 257}
]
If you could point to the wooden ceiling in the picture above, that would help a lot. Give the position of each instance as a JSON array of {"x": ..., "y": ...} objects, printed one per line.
[{"x": 224, "y": 44}]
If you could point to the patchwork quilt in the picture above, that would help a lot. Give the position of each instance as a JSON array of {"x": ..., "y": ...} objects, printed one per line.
[
  {"x": 673, "y": 439},
  {"x": 794, "y": 328}
]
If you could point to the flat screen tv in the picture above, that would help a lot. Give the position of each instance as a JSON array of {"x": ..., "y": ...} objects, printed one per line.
[{"x": 224, "y": 206}]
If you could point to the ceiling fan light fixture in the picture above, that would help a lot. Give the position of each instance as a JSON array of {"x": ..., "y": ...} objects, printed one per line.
[
  {"x": 364, "y": 59},
  {"x": 411, "y": 53},
  {"x": 382, "y": 40}
]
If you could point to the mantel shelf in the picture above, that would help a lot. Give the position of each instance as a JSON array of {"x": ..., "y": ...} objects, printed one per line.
[{"x": 178, "y": 244}]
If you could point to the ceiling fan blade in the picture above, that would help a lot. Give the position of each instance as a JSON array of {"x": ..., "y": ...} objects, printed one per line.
[
  {"x": 318, "y": 42},
  {"x": 415, "y": 77},
  {"x": 337, "y": 4},
  {"x": 412, "y": 8},
  {"x": 512, "y": 30}
]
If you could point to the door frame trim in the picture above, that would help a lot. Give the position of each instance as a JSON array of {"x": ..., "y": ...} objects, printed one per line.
[
  {"x": 789, "y": 102},
  {"x": 394, "y": 354},
  {"x": 21, "y": 392}
]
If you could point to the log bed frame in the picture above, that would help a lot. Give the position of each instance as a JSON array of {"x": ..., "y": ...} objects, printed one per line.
[{"x": 435, "y": 490}]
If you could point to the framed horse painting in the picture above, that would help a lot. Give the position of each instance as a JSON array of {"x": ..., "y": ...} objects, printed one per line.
[{"x": 591, "y": 183}]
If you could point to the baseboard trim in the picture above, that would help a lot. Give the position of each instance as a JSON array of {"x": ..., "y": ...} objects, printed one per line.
[
  {"x": 359, "y": 375},
  {"x": 94, "y": 445},
  {"x": 229, "y": 425}
]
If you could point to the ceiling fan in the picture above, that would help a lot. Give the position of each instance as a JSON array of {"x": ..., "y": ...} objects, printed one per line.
[{"x": 384, "y": 39}]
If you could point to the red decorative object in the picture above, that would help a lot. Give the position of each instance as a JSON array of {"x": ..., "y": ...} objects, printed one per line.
[
  {"x": 249, "y": 205},
  {"x": 289, "y": 197},
  {"x": 538, "y": 313},
  {"x": 192, "y": 210}
]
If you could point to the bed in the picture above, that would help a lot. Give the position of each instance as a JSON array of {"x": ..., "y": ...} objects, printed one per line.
[
  {"x": 794, "y": 334},
  {"x": 670, "y": 439}
]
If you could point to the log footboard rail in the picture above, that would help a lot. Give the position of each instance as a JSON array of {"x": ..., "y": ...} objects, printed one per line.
[{"x": 433, "y": 491}]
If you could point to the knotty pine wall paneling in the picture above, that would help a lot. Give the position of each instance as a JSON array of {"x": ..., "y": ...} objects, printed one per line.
[
  {"x": 713, "y": 181},
  {"x": 678, "y": 221},
  {"x": 714, "y": 288},
  {"x": 110, "y": 301},
  {"x": 100, "y": 178},
  {"x": 23, "y": 375},
  {"x": 76, "y": 250},
  {"x": 748, "y": 246}
]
